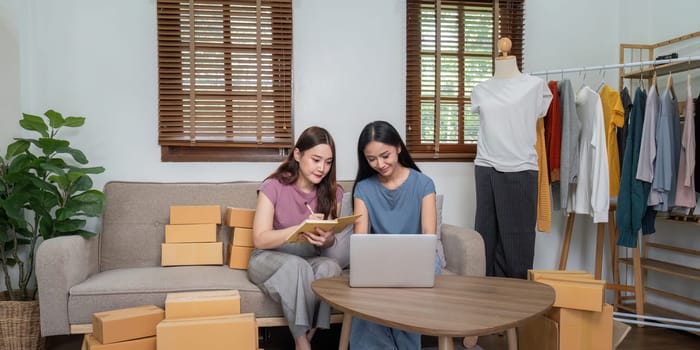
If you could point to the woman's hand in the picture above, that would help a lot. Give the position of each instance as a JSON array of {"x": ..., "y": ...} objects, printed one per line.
[{"x": 320, "y": 238}]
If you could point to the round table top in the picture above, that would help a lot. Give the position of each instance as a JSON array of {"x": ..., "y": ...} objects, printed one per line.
[{"x": 455, "y": 306}]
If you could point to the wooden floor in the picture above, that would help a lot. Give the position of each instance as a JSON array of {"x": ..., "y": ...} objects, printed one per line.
[{"x": 278, "y": 338}]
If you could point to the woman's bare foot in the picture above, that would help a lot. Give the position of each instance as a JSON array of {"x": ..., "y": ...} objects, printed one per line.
[
  {"x": 302, "y": 343},
  {"x": 470, "y": 342}
]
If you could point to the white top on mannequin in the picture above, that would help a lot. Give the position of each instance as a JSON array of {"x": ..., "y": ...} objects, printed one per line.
[{"x": 505, "y": 66}]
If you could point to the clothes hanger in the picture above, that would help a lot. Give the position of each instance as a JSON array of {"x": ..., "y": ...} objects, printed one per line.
[
  {"x": 669, "y": 85},
  {"x": 602, "y": 79}
]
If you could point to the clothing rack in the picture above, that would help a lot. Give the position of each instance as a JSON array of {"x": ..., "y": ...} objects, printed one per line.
[{"x": 688, "y": 59}]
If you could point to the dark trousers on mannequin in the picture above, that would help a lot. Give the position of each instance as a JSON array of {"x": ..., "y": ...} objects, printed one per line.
[{"x": 506, "y": 215}]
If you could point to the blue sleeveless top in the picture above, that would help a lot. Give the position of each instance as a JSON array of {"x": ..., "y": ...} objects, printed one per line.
[{"x": 398, "y": 210}]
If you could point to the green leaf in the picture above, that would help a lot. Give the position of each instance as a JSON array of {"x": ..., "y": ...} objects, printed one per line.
[
  {"x": 17, "y": 147},
  {"x": 20, "y": 164},
  {"x": 91, "y": 203},
  {"x": 68, "y": 225},
  {"x": 34, "y": 123},
  {"x": 78, "y": 155},
  {"x": 74, "y": 122},
  {"x": 52, "y": 168},
  {"x": 60, "y": 180},
  {"x": 46, "y": 229},
  {"x": 84, "y": 183},
  {"x": 50, "y": 146},
  {"x": 55, "y": 119},
  {"x": 90, "y": 170},
  {"x": 86, "y": 234},
  {"x": 67, "y": 212}
]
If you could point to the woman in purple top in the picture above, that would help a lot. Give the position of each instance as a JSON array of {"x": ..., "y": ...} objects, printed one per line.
[{"x": 302, "y": 187}]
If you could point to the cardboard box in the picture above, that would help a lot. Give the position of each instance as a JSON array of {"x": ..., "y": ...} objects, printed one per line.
[
  {"x": 540, "y": 333},
  {"x": 238, "y": 257},
  {"x": 195, "y": 214},
  {"x": 178, "y": 254},
  {"x": 243, "y": 237},
  {"x": 202, "y": 304},
  {"x": 584, "y": 330},
  {"x": 239, "y": 217},
  {"x": 91, "y": 343},
  {"x": 126, "y": 324},
  {"x": 581, "y": 294},
  {"x": 190, "y": 233},
  {"x": 211, "y": 333},
  {"x": 534, "y": 274}
]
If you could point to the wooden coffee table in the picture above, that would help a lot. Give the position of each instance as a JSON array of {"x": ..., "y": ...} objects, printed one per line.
[{"x": 456, "y": 306}]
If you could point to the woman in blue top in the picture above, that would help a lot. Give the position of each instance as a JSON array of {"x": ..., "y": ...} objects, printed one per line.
[{"x": 393, "y": 196}]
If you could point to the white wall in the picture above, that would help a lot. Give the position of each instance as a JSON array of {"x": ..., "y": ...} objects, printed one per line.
[
  {"x": 98, "y": 59},
  {"x": 9, "y": 74}
]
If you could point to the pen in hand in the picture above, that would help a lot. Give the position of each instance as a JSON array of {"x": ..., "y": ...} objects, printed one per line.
[{"x": 309, "y": 207}]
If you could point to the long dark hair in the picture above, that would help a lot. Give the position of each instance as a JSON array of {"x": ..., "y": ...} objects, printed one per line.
[
  {"x": 288, "y": 172},
  {"x": 385, "y": 133}
]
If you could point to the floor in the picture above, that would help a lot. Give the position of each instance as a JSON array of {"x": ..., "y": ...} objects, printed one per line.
[{"x": 278, "y": 338}]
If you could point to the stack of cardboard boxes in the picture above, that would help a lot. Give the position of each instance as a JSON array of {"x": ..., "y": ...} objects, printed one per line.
[
  {"x": 192, "y": 320},
  {"x": 124, "y": 329},
  {"x": 190, "y": 238},
  {"x": 579, "y": 319},
  {"x": 241, "y": 222},
  {"x": 206, "y": 320}
]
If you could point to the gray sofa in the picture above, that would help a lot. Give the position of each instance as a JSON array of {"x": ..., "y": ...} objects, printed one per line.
[{"x": 121, "y": 266}]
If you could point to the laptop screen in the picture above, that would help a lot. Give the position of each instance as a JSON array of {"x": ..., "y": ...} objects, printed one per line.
[{"x": 392, "y": 260}]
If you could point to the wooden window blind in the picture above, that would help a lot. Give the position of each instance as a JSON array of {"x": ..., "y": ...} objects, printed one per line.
[
  {"x": 450, "y": 47},
  {"x": 225, "y": 79}
]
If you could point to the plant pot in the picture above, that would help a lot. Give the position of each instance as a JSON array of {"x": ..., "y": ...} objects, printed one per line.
[{"x": 20, "y": 328}]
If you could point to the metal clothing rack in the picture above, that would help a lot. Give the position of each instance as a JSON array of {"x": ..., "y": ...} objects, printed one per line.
[
  {"x": 646, "y": 71},
  {"x": 654, "y": 63}
]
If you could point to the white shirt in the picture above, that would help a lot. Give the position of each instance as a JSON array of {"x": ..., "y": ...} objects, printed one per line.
[
  {"x": 509, "y": 109},
  {"x": 592, "y": 193}
]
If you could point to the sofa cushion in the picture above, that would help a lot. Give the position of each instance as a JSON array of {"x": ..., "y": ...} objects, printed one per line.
[
  {"x": 133, "y": 225},
  {"x": 121, "y": 288}
]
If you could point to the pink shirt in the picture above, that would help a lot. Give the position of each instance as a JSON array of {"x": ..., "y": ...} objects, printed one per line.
[
  {"x": 288, "y": 201},
  {"x": 685, "y": 188}
]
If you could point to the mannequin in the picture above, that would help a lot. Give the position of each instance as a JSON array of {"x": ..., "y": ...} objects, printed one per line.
[
  {"x": 506, "y": 165},
  {"x": 505, "y": 66}
]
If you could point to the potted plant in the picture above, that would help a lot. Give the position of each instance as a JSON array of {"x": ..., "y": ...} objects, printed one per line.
[{"x": 45, "y": 192}]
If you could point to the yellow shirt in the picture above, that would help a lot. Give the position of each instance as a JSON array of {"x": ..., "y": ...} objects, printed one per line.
[
  {"x": 614, "y": 117},
  {"x": 544, "y": 200}
]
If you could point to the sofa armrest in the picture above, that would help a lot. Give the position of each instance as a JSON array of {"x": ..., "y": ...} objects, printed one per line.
[
  {"x": 464, "y": 250},
  {"x": 61, "y": 263}
]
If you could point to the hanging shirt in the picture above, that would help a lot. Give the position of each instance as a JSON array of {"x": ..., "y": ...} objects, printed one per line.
[
  {"x": 685, "y": 186},
  {"x": 570, "y": 132},
  {"x": 592, "y": 193},
  {"x": 508, "y": 110},
  {"x": 614, "y": 118},
  {"x": 622, "y": 132},
  {"x": 552, "y": 134},
  {"x": 632, "y": 198},
  {"x": 697, "y": 141},
  {"x": 663, "y": 187},
  {"x": 647, "y": 150},
  {"x": 544, "y": 200}
]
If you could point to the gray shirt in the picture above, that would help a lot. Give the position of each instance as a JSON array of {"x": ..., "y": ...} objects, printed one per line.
[
  {"x": 570, "y": 131},
  {"x": 663, "y": 187},
  {"x": 647, "y": 150}
]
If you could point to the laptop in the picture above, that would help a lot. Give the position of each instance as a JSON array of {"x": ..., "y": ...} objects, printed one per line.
[{"x": 392, "y": 260}]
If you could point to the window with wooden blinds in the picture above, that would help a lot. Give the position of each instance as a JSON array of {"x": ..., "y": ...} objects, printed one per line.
[
  {"x": 450, "y": 46},
  {"x": 225, "y": 79}
]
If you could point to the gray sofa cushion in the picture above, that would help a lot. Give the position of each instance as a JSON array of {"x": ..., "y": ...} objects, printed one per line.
[
  {"x": 133, "y": 225},
  {"x": 121, "y": 288}
]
